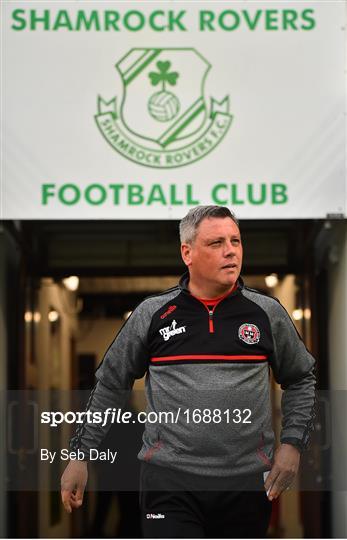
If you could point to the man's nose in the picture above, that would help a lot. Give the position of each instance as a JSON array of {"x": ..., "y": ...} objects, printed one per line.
[{"x": 229, "y": 249}]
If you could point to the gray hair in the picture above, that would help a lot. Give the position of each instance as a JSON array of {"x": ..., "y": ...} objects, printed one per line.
[{"x": 189, "y": 224}]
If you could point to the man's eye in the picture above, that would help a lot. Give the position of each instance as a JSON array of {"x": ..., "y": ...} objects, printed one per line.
[
  {"x": 216, "y": 242},
  {"x": 236, "y": 242}
]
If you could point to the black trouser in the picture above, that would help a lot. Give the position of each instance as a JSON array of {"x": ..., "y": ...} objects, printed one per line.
[{"x": 179, "y": 505}]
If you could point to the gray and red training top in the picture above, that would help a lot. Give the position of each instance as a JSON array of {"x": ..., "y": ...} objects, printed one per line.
[{"x": 207, "y": 363}]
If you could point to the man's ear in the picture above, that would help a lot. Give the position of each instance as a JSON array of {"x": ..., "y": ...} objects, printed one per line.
[{"x": 186, "y": 253}]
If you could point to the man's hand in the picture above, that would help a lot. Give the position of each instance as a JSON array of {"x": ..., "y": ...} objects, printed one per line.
[
  {"x": 73, "y": 483},
  {"x": 284, "y": 470}
]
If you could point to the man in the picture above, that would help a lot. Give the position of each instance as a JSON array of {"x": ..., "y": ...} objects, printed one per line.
[{"x": 206, "y": 347}]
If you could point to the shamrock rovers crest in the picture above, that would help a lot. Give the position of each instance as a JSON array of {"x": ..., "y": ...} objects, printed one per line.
[{"x": 163, "y": 118}]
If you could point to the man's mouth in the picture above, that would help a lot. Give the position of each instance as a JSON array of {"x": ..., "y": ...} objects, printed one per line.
[{"x": 230, "y": 265}]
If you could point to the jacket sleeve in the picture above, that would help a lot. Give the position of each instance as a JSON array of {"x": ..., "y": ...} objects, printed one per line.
[
  {"x": 124, "y": 361},
  {"x": 293, "y": 368}
]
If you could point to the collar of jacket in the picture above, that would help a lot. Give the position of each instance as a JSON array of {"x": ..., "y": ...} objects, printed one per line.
[{"x": 183, "y": 282}]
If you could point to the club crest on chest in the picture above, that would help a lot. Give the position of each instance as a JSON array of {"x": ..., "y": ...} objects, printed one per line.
[{"x": 249, "y": 333}]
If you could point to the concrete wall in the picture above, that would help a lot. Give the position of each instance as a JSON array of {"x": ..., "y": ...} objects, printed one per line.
[
  {"x": 94, "y": 337},
  {"x": 337, "y": 317},
  {"x": 3, "y": 384},
  {"x": 9, "y": 312},
  {"x": 53, "y": 372}
]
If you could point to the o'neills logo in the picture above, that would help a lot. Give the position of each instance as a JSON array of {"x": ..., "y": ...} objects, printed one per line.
[
  {"x": 171, "y": 330},
  {"x": 249, "y": 333},
  {"x": 169, "y": 310},
  {"x": 163, "y": 118},
  {"x": 155, "y": 516}
]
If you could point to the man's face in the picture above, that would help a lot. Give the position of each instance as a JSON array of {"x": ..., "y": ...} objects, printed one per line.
[{"x": 215, "y": 257}]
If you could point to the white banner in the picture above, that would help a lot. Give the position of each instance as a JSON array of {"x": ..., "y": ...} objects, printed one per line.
[{"x": 141, "y": 110}]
